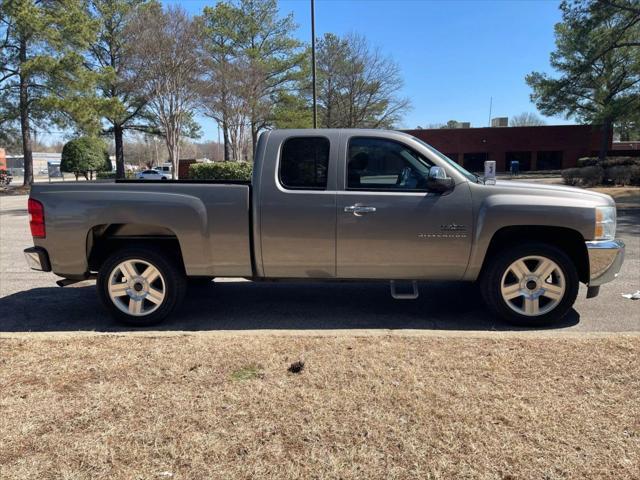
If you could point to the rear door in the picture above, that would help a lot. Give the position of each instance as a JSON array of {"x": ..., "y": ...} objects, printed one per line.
[
  {"x": 389, "y": 226},
  {"x": 297, "y": 205}
]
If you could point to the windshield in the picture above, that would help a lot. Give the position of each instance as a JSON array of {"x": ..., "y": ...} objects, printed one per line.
[{"x": 470, "y": 176}]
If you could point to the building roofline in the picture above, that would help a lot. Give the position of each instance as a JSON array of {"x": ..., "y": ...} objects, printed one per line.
[{"x": 537, "y": 127}]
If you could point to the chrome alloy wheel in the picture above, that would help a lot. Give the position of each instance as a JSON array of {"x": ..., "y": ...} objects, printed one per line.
[
  {"x": 533, "y": 285},
  {"x": 136, "y": 287}
]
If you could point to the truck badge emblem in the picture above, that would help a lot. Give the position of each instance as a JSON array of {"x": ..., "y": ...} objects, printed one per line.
[{"x": 453, "y": 227}]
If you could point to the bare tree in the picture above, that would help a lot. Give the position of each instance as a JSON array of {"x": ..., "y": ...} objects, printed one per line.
[
  {"x": 358, "y": 85},
  {"x": 526, "y": 119},
  {"x": 167, "y": 44}
]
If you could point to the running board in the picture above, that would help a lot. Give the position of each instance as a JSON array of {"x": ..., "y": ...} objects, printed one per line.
[
  {"x": 65, "y": 282},
  {"x": 407, "y": 295}
]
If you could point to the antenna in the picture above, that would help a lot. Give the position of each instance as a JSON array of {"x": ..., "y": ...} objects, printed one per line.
[{"x": 490, "y": 106}]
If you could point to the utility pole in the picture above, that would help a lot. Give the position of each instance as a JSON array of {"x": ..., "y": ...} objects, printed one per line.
[
  {"x": 313, "y": 62},
  {"x": 490, "y": 107}
]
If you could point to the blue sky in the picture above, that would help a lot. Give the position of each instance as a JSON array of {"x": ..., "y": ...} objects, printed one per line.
[{"x": 454, "y": 55}]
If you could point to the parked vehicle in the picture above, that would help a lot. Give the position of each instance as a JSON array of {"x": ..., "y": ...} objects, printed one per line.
[
  {"x": 164, "y": 169},
  {"x": 327, "y": 205},
  {"x": 152, "y": 175}
]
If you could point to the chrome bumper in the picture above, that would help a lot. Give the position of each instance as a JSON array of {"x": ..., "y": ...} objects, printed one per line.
[
  {"x": 37, "y": 259},
  {"x": 605, "y": 260}
]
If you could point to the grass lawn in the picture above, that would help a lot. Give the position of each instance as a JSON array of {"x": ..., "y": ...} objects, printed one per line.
[{"x": 223, "y": 406}]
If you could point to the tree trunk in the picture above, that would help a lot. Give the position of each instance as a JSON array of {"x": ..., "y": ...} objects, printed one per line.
[
  {"x": 604, "y": 140},
  {"x": 27, "y": 151},
  {"x": 227, "y": 143},
  {"x": 118, "y": 133},
  {"x": 172, "y": 139},
  {"x": 254, "y": 140}
]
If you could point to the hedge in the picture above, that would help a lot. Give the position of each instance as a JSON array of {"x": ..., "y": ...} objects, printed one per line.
[
  {"x": 112, "y": 175},
  {"x": 608, "y": 161},
  {"x": 221, "y": 171},
  {"x": 591, "y": 175}
]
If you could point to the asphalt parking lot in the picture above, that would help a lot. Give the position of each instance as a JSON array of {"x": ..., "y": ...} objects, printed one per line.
[{"x": 31, "y": 302}]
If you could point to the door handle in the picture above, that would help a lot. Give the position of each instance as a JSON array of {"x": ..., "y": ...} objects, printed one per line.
[{"x": 359, "y": 210}]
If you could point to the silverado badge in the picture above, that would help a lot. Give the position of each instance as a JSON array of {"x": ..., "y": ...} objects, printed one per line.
[{"x": 453, "y": 227}]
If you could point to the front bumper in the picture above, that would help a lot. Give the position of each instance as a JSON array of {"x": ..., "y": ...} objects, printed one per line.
[
  {"x": 37, "y": 258},
  {"x": 605, "y": 260}
]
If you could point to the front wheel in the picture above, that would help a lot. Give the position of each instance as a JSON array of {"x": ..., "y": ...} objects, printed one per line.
[
  {"x": 140, "y": 286},
  {"x": 530, "y": 285}
]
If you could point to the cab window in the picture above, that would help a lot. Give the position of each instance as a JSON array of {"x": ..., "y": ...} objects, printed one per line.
[
  {"x": 382, "y": 164},
  {"x": 304, "y": 163}
]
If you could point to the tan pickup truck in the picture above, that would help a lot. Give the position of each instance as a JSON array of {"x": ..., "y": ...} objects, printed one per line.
[{"x": 328, "y": 205}]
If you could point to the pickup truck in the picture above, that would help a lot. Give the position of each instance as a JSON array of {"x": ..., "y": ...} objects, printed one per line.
[{"x": 327, "y": 205}]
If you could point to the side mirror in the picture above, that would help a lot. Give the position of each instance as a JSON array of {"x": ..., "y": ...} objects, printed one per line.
[{"x": 437, "y": 180}]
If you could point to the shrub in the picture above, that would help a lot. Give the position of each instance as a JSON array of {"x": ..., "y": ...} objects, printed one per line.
[
  {"x": 571, "y": 176},
  {"x": 620, "y": 161},
  {"x": 221, "y": 171},
  {"x": 608, "y": 162},
  {"x": 112, "y": 175},
  {"x": 592, "y": 176},
  {"x": 588, "y": 162},
  {"x": 619, "y": 175},
  {"x": 85, "y": 155}
]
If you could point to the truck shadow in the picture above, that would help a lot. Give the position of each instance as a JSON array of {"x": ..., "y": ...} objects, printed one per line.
[{"x": 278, "y": 306}]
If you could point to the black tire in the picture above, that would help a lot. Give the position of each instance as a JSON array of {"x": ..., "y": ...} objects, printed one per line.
[
  {"x": 172, "y": 276},
  {"x": 491, "y": 281}
]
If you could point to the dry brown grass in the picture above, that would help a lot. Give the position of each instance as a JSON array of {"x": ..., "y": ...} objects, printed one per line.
[{"x": 378, "y": 407}]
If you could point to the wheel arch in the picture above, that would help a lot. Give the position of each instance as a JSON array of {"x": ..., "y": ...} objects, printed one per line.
[
  {"x": 568, "y": 240},
  {"x": 104, "y": 239}
]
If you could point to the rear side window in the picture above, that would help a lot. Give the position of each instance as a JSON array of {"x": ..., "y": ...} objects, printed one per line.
[{"x": 304, "y": 163}]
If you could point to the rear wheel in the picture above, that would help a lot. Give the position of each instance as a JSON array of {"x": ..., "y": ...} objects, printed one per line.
[
  {"x": 530, "y": 285},
  {"x": 140, "y": 286}
]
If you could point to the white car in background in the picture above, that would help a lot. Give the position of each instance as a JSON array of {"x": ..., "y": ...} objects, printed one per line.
[{"x": 152, "y": 175}]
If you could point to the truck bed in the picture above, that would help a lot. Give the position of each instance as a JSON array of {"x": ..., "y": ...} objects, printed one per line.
[{"x": 209, "y": 219}]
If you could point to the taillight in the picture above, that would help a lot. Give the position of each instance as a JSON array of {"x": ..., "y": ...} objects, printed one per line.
[{"x": 36, "y": 218}]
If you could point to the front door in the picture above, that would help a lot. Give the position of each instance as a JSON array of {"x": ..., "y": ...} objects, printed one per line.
[{"x": 389, "y": 226}]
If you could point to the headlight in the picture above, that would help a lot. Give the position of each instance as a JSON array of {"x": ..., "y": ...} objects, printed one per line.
[{"x": 605, "y": 223}]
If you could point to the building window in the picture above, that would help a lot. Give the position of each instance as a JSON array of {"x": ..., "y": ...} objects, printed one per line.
[
  {"x": 523, "y": 158},
  {"x": 549, "y": 161},
  {"x": 474, "y": 162},
  {"x": 304, "y": 162}
]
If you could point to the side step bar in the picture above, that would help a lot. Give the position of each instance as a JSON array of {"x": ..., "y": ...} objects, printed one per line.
[
  {"x": 65, "y": 282},
  {"x": 404, "y": 294}
]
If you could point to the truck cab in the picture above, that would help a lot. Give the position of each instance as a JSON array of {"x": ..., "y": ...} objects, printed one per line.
[{"x": 358, "y": 205}]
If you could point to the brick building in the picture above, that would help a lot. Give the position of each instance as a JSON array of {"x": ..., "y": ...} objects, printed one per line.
[{"x": 536, "y": 148}]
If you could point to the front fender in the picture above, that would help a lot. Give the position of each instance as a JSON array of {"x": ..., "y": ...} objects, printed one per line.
[{"x": 507, "y": 210}]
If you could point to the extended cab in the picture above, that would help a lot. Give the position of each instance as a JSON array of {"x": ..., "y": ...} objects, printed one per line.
[{"x": 327, "y": 205}]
